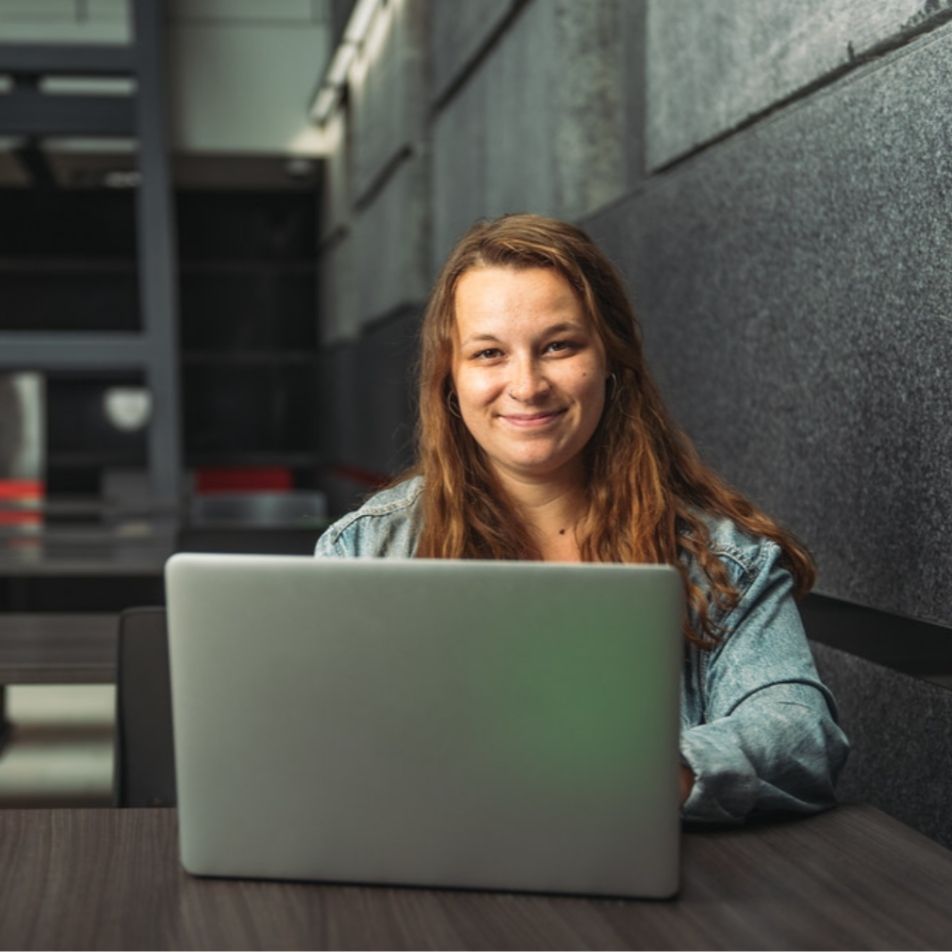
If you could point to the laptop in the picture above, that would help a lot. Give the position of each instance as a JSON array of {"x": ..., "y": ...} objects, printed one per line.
[{"x": 490, "y": 725}]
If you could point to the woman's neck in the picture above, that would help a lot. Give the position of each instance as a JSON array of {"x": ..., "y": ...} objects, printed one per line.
[{"x": 551, "y": 512}]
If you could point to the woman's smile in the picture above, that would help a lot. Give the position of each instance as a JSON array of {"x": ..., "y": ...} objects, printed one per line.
[
  {"x": 529, "y": 371},
  {"x": 530, "y": 421}
]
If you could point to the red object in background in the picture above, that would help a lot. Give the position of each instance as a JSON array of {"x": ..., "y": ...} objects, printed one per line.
[
  {"x": 221, "y": 479},
  {"x": 20, "y": 502},
  {"x": 358, "y": 474}
]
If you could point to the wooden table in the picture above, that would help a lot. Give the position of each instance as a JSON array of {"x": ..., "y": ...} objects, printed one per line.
[{"x": 852, "y": 878}]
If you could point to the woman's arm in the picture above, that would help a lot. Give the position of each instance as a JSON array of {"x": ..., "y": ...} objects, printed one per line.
[{"x": 768, "y": 738}]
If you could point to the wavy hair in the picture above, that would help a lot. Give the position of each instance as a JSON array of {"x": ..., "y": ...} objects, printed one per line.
[{"x": 647, "y": 488}]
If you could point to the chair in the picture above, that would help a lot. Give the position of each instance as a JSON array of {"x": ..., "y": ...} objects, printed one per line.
[{"x": 144, "y": 760}]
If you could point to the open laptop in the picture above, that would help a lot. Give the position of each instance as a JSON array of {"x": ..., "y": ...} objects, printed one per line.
[{"x": 503, "y": 725}]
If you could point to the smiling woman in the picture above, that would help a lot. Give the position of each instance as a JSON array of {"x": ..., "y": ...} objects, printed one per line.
[
  {"x": 529, "y": 377},
  {"x": 542, "y": 435}
]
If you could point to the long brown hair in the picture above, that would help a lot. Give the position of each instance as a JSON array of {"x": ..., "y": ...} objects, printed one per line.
[{"x": 647, "y": 487}]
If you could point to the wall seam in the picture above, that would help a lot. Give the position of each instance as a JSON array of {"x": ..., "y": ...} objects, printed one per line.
[
  {"x": 469, "y": 68},
  {"x": 874, "y": 54}
]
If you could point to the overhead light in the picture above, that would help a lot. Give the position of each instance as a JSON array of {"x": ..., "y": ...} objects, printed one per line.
[{"x": 328, "y": 92}]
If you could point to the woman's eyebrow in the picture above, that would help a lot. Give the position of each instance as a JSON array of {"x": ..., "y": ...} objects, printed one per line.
[
  {"x": 565, "y": 326},
  {"x": 473, "y": 338},
  {"x": 562, "y": 327}
]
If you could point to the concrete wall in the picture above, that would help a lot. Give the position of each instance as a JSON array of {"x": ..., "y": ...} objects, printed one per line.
[
  {"x": 457, "y": 111},
  {"x": 714, "y": 65},
  {"x": 535, "y": 123}
]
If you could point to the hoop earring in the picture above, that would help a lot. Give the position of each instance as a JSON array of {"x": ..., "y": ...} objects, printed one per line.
[{"x": 452, "y": 404}]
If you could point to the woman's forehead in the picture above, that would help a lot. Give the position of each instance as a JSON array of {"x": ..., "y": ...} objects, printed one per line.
[{"x": 500, "y": 294}]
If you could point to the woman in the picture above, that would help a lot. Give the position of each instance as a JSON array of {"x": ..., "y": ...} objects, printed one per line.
[{"x": 543, "y": 436}]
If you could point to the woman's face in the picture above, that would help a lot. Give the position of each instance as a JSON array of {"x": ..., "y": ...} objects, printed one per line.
[{"x": 529, "y": 371}]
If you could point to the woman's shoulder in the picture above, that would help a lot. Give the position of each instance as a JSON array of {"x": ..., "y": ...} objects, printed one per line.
[
  {"x": 400, "y": 496},
  {"x": 740, "y": 549},
  {"x": 386, "y": 525},
  {"x": 756, "y": 570}
]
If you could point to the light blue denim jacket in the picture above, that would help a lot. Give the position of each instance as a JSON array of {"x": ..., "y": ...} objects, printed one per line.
[{"x": 758, "y": 728}]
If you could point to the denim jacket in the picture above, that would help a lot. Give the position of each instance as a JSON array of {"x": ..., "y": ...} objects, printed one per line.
[{"x": 758, "y": 728}]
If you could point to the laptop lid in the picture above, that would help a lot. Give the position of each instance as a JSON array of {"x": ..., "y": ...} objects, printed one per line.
[{"x": 507, "y": 725}]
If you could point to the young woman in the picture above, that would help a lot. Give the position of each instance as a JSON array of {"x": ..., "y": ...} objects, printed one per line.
[{"x": 543, "y": 436}]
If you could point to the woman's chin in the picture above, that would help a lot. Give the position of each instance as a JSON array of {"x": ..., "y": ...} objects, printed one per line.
[{"x": 539, "y": 468}]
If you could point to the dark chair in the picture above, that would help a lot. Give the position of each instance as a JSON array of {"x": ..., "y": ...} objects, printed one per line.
[{"x": 144, "y": 760}]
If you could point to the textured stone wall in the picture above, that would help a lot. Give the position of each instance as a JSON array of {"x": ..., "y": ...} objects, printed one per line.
[
  {"x": 899, "y": 764},
  {"x": 459, "y": 111},
  {"x": 712, "y": 65},
  {"x": 458, "y": 33},
  {"x": 797, "y": 303},
  {"x": 374, "y": 206},
  {"x": 535, "y": 126}
]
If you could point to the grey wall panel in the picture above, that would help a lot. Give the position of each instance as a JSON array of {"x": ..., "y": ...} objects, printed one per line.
[
  {"x": 340, "y": 427},
  {"x": 387, "y": 93},
  {"x": 388, "y": 255},
  {"x": 458, "y": 31},
  {"x": 901, "y": 757},
  {"x": 338, "y": 292},
  {"x": 541, "y": 125},
  {"x": 334, "y": 200},
  {"x": 797, "y": 300},
  {"x": 713, "y": 64},
  {"x": 493, "y": 133},
  {"x": 385, "y": 384},
  {"x": 340, "y": 423},
  {"x": 367, "y": 398}
]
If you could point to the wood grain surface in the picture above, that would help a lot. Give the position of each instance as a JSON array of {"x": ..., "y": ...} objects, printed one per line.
[{"x": 110, "y": 879}]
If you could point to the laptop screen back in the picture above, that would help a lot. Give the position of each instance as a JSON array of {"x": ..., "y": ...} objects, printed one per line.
[{"x": 478, "y": 724}]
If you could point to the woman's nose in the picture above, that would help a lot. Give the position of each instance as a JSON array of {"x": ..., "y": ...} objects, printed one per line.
[{"x": 528, "y": 381}]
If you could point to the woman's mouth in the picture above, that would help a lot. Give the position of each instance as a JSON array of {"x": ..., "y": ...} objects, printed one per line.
[{"x": 528, "y": 421}]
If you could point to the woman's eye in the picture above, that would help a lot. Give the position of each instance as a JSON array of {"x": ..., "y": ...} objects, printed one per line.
[
  {"x": 560, "y": 346},
  {"x": 488, "y": 354}
]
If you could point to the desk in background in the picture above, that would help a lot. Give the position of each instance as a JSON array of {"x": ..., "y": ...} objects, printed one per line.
[
  {"x": 852, "y": 878},
  {"x": 41, "y": 648},
  {"x": 97, "y": 569},
  {"x": 61, "y": 590}
]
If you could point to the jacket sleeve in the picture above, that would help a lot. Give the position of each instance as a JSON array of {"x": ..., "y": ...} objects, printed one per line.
[
  {"x": 332, "y": 544},
  {"x": 768, "y": 740}
]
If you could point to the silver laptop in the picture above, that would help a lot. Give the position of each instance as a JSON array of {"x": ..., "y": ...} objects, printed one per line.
[{"x": 501, "y": 725}]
